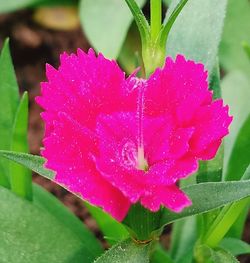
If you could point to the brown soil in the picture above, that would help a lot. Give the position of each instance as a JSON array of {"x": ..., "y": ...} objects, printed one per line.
[{"x": 32, "y": 46}]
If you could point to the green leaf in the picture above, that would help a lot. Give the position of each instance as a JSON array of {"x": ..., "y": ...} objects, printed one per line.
[
  {"x": 33, "y": 162},
  {"x": 222, "y": 256},
  {"x": 228, "y": 215},
  {"x": 235, "y": 246},
  {"x": 160, "y": 255},
  {"x": 9, "y": 100},
  {"x": 209, "y": 196},
  {"x": 29, "y": 234},
  {"x": 236, "y": 30},
  {"x": 183, "y": 237},
  {"x": 236, "y": 231},
  {"x": 206, "y": 254},
  {"x": 170, "y": 21},
  {"x": 106, "y": 23},
  {"x": 141, "y": 22},
  {"x": 52, "y": 205},
  {"x": 239, "y": 108},
  {"x": 197, "y": 31},
  {"x": 20, "y": 177},
  {"x": 240, "y": 156},
  {"x": 113, "y": 230},
  {"x": 126, "y": 252}
]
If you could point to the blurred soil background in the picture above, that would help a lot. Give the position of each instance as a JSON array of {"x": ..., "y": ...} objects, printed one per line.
[{"x": 32, "y": 46}]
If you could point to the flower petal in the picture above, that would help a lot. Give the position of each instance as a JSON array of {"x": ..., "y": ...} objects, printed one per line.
[
  {"x": 170, "y": 196},
  {"x": 179, "y": 88},
  {"x": 85, "y": 86}
]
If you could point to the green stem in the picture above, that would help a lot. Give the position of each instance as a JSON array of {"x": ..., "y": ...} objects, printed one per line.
[
  {"x": 224, "y": 221},
  {"x": 155, "y": 18}
]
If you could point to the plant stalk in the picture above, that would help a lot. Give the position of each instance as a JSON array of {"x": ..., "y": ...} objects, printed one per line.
[
  {"x": 224, "y": 221},
  {"x": 155, "y": 18}
]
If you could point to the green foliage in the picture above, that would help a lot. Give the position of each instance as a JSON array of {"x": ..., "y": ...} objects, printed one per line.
[
  {"x": 235, "y": 246},
  {"x": 32, "y": 234},
  {"x": 209, "y": 196},
  {"x": 113, "y": 230},
  {"x": 9, "y": 100},
  {"x": 205, "y": 254},
  {"x": 20, "y": 177},
  {"x": 49, "y": 203},
  {"x": 222, "y": 256},
  {"x": 183, "y": 237},
  {"x": 33, "y": 162},
  {"x": 239, "y": 108},
  {"x": 126, "y": 252},
  {"x": 240, "y": 156},
  {"x": 160, "y": 255},
  {"x": 197, "y": 31},
  {"x": 106, "y": 23},
  {"x": 236, "y": 30}
]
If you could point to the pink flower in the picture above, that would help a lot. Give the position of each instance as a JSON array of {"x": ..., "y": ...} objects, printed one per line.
[{"x": 117, "y": 141}]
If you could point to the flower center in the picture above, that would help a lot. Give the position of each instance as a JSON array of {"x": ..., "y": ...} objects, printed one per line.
[
  {"x": 142, "y": 163},
  {"x": 134, "y": 158}
]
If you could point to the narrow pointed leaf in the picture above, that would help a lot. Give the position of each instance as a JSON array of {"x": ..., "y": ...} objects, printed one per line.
[
  {"x": 183, "y": 238},
  {"x": 9, "y": 100},
  {"x": 209, "y": 196},
  {"x": 20, "y": 176},
  {"x": 33, "y": 162},
  {"x": 170, "y": 21}
]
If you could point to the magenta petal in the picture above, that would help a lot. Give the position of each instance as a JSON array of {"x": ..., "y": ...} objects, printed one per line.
[
  {"x": 169, "y": 172},
  {"x": 170, "y": 196},
  {"x": 179, "y": 88},
  {"x": 211, "y": 125}
]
